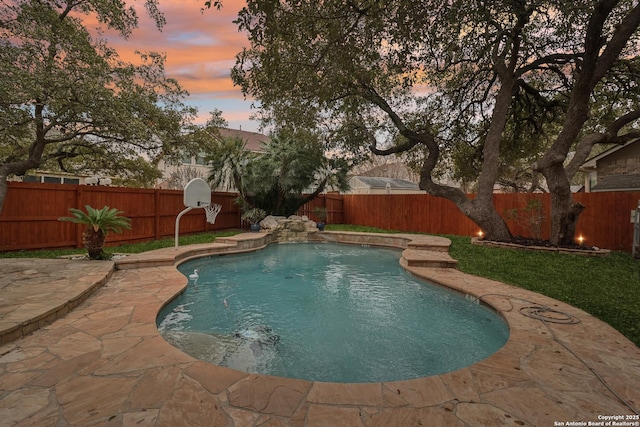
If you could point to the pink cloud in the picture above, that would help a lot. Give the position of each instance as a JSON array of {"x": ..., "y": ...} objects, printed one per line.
[{"x": 200, "y": 49}]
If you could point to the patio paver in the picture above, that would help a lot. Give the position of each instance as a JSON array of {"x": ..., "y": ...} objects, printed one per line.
[{"x": 104, "y": 363}]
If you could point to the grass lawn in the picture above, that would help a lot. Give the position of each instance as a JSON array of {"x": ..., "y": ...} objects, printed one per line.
[
  {"x": 129, "y": 248},
  {"x": 606, "y": 287}
]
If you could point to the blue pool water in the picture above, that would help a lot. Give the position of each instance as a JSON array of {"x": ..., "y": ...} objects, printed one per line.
[{"x": 326, "y": 312}]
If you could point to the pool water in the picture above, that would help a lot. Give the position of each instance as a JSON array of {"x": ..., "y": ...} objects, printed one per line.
[{"x": 326, "y": 312}]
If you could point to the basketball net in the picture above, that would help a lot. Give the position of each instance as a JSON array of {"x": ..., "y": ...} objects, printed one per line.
[{"x": 212, "y": 212}]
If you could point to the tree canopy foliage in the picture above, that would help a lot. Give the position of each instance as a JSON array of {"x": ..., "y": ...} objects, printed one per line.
[
  {"x": 68, "y": 102},
  {"x": 480, "y": 85},
  {"x": 291, "y": 170}
]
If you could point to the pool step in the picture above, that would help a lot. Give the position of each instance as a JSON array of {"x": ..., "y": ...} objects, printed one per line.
[
  {"x": 429, "y": 245},
  {"x": 431, "y": 259}
]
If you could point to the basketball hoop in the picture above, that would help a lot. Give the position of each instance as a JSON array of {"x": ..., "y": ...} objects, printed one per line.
[
  {"x": 212, "y": 212},
  {"x": 197, "y": 194}
]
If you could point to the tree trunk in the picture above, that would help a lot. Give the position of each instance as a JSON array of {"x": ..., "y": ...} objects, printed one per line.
[
  {"x": 564, "y": 220},
  {"x": 4, "y": 187},
  {"x": 93, "y": 241},
  {"x": 20, "y": 167},
  {"x": 598, "y": 58},
  {"x": 565, "y": 212},
  {"x": 480, "y": 210},
  {"x": 491, "y": 224}
]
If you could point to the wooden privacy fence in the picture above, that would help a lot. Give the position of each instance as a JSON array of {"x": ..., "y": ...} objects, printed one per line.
[
  {"x": 29, "y": 219},
  {"x": 333, "y": 203},
  {"x": 30, "y": 216},
  {"x": 604, "y": 223}
]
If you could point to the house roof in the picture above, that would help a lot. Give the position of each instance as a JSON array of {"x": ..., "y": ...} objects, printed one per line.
[
  {"x": 381, "y": 182},
  {"x": 591, "y": 163},
  {"x": 254, "y": 141},
  {"x": 391, "y": 170},
  {"x": 629, "y": 182}
]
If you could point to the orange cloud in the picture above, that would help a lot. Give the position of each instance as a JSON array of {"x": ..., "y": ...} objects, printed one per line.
[{"x": 200, "y": 48}]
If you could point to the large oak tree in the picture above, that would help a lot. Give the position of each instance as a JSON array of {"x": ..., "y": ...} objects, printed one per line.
[
  {"x": 69, "y": 102},
  {"x": 477, "y": 83}
]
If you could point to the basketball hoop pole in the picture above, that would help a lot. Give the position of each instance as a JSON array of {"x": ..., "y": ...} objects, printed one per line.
[
  {"x": 196, "y": 194},
  {"x": 178, "y": 224}
]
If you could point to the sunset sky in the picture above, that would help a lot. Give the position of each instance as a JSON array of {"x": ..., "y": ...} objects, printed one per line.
[{"x": 201, "y": 49}]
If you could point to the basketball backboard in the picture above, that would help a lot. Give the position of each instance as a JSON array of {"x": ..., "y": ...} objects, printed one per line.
[{"x": 197, "y": 193}]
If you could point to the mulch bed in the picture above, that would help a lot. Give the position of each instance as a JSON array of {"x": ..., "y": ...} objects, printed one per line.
[{"x": 527, "y": 243}]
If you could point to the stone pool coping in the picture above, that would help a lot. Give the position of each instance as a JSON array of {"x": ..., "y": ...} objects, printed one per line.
[{"x": 104, "y": 362}]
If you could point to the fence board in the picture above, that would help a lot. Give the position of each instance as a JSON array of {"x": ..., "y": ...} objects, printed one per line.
[
  {"x": 606, "y": 221},
  {"x": 333, "y": 202}
]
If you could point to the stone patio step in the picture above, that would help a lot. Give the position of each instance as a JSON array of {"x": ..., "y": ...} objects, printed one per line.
[
  {"x": 431, "y": 259},
  {"x": 428, "y": 246}
]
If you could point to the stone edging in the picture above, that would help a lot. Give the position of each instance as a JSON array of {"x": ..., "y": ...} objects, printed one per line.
[
  {"x": 418, "y": 250},
  {"x": 24, "y": 314},
  {"x": 505, "y": 245}
]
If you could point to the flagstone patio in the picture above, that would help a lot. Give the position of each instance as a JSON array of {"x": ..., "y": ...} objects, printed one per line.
[{"x": 93, "y": 356}]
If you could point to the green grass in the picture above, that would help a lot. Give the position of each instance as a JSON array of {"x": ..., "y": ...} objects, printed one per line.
[
  {"x": 129, "y": 248},
  {"x": 606, "y": 287},
  {"x": 190, "y": 239}
]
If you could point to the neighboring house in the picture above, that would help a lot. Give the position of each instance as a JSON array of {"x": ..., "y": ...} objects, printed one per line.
[
  {"x": 195, "y": 167},
  {"x": 49, "y": 177},
  {"x": 254, "y": 141},
  {"x": 388, "y": 178},
  {"x": 399, "y": 170},
  {"x": 382, "y": 185},
  {"x": 190, "y": 167},
  {"x": 44, "y": 177},
  {"x": 617, "y": 169},
  {"x": 392, "y": 170}
]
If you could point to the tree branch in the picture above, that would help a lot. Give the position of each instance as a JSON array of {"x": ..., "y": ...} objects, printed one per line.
[
  {"x": 621, "y": 122},
  {"x": 549, "y": 60},
  {"x": 621, "y": 36},
  {"x": 584, "y": 147}
]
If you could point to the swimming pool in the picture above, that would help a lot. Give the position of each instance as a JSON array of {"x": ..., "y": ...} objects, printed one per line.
[{"x": 326, "y": 312}]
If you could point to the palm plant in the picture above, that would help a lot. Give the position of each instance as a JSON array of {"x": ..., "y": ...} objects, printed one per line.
[
  {"x": 292, "y": 171},
  {"x": 99, "y": 223},
  {"x": 228, "y": 158},
  {"x": 321, "y": 213},
  {"x": 254, "y": 215}
]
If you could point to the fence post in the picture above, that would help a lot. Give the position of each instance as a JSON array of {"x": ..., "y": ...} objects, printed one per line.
[
  {"x": 79, "y": 205},
  {"x": 635, "y": 246},
  {"x": 156, "y": 213}
]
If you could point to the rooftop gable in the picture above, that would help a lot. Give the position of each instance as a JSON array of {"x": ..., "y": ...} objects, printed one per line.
[{"x": 254, "y": 141}]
